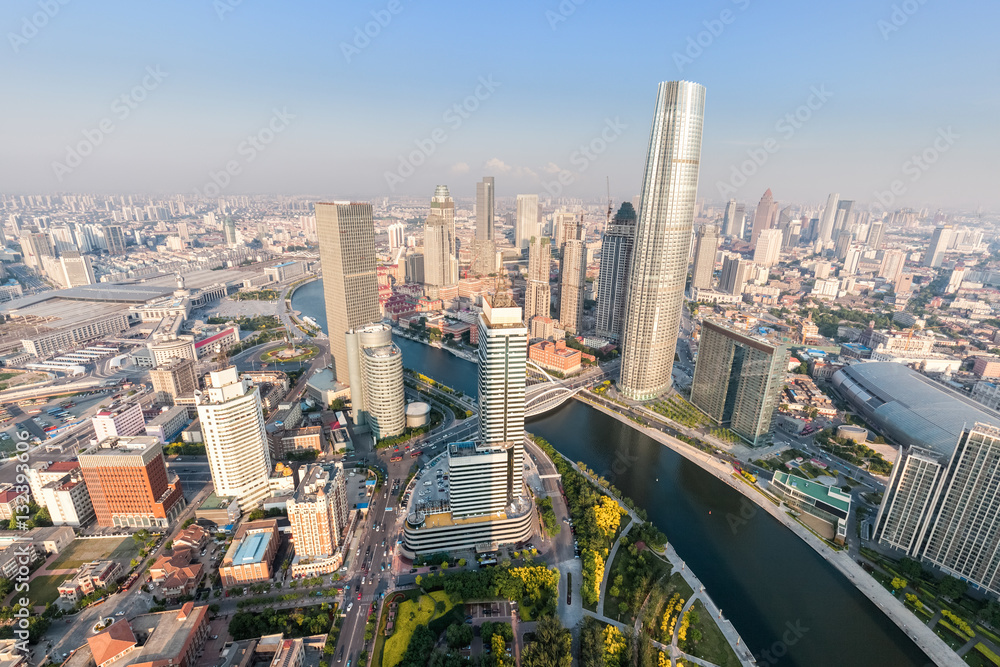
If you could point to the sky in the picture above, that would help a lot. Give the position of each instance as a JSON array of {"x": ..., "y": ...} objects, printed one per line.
[{"x": 881, "y": 101}]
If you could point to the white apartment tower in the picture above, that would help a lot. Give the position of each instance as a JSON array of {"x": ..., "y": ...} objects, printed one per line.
[{"x": 526, "y": 224}]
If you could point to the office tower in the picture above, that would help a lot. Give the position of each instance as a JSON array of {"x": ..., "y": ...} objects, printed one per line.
[
  {"x": 704, "y": 257},
  {"x": 844, "y": 242},
  {"x": 229, "y": 231},
  {"x": 350, "y": 284},
  {"x": 119, "y": 421},
  {"x": 768, "y": 248},
  {"x": 16, "y": 223},
  {"x": 503, "y": 355},
  {"x": 616, "y": 261},
  {"x": 526, "y": 225},
  {"x": 740, "y": 221},
  {"x": 663, "y": 240},
  {"x": 484, "y": 478},
  {"x": 844, "y": 217},
  {"x": 129, "y": 484},
  {"x": 940, "y": 240},
  {"x": 184, "y": 232},
  {"x": 397, "y": 234},
  {"x": 733, "y": 277},
  {"x": 875, "y": 234},
  {"x": 892, "y": 264},
  {"x": 172, "y": 379},
  {"x": 376, "y": 378},
  {"x": 35, "y": 246},
  {"x": 730, "y": 225},
  {"x": 484, "y": 251},
  {"x": 852, "y": 260},
  {"x": 440, "y": 257},
  {"x": 738, "y": 379},
  {"x": 318, "y": 514},
  {"x": 77, "y": 269},
  {"x": 762, "y": 217},
  {"x": 573, "y": 277},
  {"x": 537, "y": 295},
  {"x": 114, "y": 239},
  {"x": 828, "y": 218},
  {"x": 414, "y": 267},
  {"x": 232, "y": 425}
]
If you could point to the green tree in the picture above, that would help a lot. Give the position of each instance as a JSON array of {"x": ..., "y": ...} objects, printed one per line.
[
  {"x": 459, "y": 635},
  {"x": 552, "y": 646}
]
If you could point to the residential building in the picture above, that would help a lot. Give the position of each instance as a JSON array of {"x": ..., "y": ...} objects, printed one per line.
[
  {"x": 440, "y": 255},
  {"x": 41, "y": 473},
  {"x": 616, "y": 262},
  {"x": 167, "y": 425},
  {"x": 68, "y": 501},
  {"x": 119, "y": 421},
  {"x": 768, "y": 248},
  {"x": 350, "y": 285},
  {"x": 10, "y": 499},
  {"x": 250, "y": 557},
  {"x": 114, "y": 238},
  {"x": 735, "y": 271},
  {"x": 663, "y": 240},
  {"x": 232, "y": 424},
  {"x": 538, "y": 297},
  {"x": 397, "y": 234},
  {"x": 90, "y": 577},
  {"x": 229, "y": 232},
  {"x": 704, "y": 257},
  {"x": 318, "y": 512},
  {"x": 738, "y": 379},
  {"x": 573, "y": 278},
  {"x": 503, "y": 353},
  {"x": 175, "y": 573},
  {"x": 35, "y": 246},
  {"x": 129, "y": 484},
  {"x": 940, "y": 240},
  {"x": 376, "y": 378},
  {"x": 172, "y": 378},
  {"x": 526, "y": 222},
  {"x": 484, "y": 248}
]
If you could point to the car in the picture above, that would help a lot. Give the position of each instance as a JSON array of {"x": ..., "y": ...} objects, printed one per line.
[
  {"x": 215, "y": 636},
  {"x": 350, "y": 606},
  {"x": 121, "y": 613},
  {"x": 359, "y": 595}
]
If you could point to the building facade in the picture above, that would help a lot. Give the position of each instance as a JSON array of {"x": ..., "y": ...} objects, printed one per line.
[
  {"x": 173, "y": 378},
  {"x": 318, "y": 513},
  {"x": 503, "y": 354},
  {"x": 538, "y": 296},
  {"x": 616, "y": 262},
  {"x": 376, "y": 378},
  {"x": 484, "y": 260},
  {"x": 440, "y": 255},
  {"x": 704, "y": 257}
]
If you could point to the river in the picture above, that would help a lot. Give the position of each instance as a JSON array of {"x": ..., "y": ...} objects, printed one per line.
[{"x": 783, "y": 598}]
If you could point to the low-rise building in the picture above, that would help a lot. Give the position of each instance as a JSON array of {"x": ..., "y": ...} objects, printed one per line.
[
  {"x": 175, "y": 572},
  {"x": 168, "y": 638},
  {"x": 220, "y": 510},
  {"x": 192, "y": 537},
  {"x": 250, "y": 557},
  {"x": 555, "y": 356},
  {"x": 285, "y": 441},
  {"x": 167, "y": 425},
  {"x": 828, "y": 504},
  {"x": 324, "y": 388},
  {"x": 10, "y": 500},
  {"x": 90, "y": 577},
  {"x": 68, "y": 501}
]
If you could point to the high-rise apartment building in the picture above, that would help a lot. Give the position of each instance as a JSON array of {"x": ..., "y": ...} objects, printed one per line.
[
  {"x": 346, "y": 234},
  {"x": 731, "y": 226},
  {"x": 503, "y": 357},
  {"x": 376, "y": 378},
  {"x": 484, "y": 251},
  {"x": 538, "y": 294},
  {"x": 616, "y": 261},
  {"x": 573, "y": 278},
  {"x": 232, "y": 425},
  {"x": 704, "y": 257},
  {"x": 397, "y": 235},
  {"x": 318, "y": 514},
  {"x": 114, "y": 239},
  {"x": 229, "y": 231},
  {"x": 768, "y": 248},
  {"x": 875, "y": 232},
  {"x": 829, "y": 217},
  {"x": 173, "y": 378},
  {"x": 35, "y": 246},
  {"x": 892, "y": 265},
  {"x": 763, "y": 217},
  {"x": 663, "y": 240},
  {"x": 940, "y": 240},
  {"x": 119, "y": 421},
  {"x": 129, "y": 484},
  {"x": 738, "y": 379},
  {"x": 77, "y": 269},
  {"x": 440, "y": 256},
  {"x": 566, "y": 225},
  {"x": 526, "y": 223}
]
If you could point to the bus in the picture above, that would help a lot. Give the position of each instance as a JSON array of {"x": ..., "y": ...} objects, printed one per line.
[
  {"x": 396, "y": 457},
  {"x": 414, "y": 453}
]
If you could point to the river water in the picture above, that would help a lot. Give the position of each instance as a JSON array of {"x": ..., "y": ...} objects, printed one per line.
[{"x": 789, "y": 605}]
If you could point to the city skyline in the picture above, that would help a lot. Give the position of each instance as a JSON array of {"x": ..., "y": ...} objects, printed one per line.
[{"x": 194, "y": 107}]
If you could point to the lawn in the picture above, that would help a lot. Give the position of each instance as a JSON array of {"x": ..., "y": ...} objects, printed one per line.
[
  {"x": 122, "y": 549},
  {"x": 713, "y": 646},
  {"x": 981, "y": 656},
  {"x": 42, "y": 589},
  {"x": 676, "y": 584},
  {"x": 409, "y": 615},
  {"x": 631, "y": 569}
]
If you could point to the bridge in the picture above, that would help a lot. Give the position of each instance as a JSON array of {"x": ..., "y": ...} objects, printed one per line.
[{"x": 542, "y": 397}]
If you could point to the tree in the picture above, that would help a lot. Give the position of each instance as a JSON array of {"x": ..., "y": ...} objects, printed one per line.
[
  {"x": 910, "y": 568},
  {"x": 552, "y": 646},
  {"x": 899, "y": 583},
  {"x": 952, "y": 588},
  {"x": 459, "y": 635}
]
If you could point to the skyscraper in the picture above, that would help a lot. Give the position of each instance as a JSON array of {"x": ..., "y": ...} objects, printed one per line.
[
  {"x": 733, "y": 277},
  {"x": 484, "y": 251},
  {"x": 440, "y": 259},
  {"x": 738, "y": 379},
  {"x": 731, "y": 226},
  {"x": 573, "y": 277},
  {"x": 526, "y": 224},
  {"x": 397, "y": 233},
  {"x": 114, "y": 238},
  {"x": 940, "y": 240},
  {"x": 875, "y": 233},
  {"x": 503, "y": 356},
  {"x": 828, "y": 218},
  {"x": 318, "y": 513},
  {"x": 704, "y": 257},
  {"x": 538, "y": 296},
  {"x": 565, "y": 225},
  {"x": 663, "y": 240},
  {"x": 616, "y": 261},
  {"x": 35, "y": 246},
  {"x": 229, "y": 230},
  {"x": 844, "y": 219},
  {"x": 762, "y": 218},
  {"x": 376, "y": 378},
  {"x": 350, "y": 285},
  {"x": 232, "y": 425},
  {"x": 768, "y": 248}
]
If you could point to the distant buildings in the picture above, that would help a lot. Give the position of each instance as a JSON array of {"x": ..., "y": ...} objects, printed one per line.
[
  {"x": 346, "y": 233},
  {"x": 735, "y": 271},
  {"x": 129, "y": 485},
  {"x": 828, "y": 219},
  {"x": 538, "y": 297},
  {"x": 738, "y": 379},
  {"x": 768, "y": 248},
  {"x": 526, "y": 222},
  {"x": 174, "y": 638},
  {"x": 704, "y": 257},
  {"x": 663, "y": 241},
  {"x": 232, "y": 424},
  {"x": 940, "y": 240},
  {"x": 318, "y": 513},
  {"x": 376, "y": 376},
  {"x": 616, "y": 263},
  {"x": 764, "y": 216},
  {"x": 484, "y": 261}
]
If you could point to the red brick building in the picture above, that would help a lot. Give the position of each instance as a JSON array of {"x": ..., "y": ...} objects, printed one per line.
[
  {"x": 251, "y": 555},
  {"x": 555, "y": 356}
]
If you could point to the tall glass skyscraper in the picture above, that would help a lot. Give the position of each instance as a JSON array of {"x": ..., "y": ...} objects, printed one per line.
[
  {"x": 440, "y": 261},
  {"x": 616, "y": 260},
  {"x": 662, "y": 240}
]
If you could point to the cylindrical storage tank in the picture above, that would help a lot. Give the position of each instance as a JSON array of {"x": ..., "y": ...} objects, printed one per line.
[
  {"x": 855, "y": 433},
  {"x": 418, "y": 414}
]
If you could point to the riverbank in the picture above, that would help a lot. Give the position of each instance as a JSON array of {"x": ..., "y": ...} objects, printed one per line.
[
  {"x": 925, "y": 638},
  {"x": 461, "y": 354}
]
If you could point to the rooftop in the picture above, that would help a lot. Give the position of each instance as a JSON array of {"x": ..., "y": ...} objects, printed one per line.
[
  {"x": 252, "y": 549},
  {"x": 826, "y": 494}
]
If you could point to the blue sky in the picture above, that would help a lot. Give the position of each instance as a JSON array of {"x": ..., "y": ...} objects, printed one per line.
[{"x": 561, "y": 75}]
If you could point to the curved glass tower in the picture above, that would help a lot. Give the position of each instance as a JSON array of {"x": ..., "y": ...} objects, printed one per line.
[{"x": 662, "y": 240}]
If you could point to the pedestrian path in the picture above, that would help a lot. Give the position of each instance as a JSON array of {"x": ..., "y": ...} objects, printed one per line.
[{"x": 607, "y": 566}]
